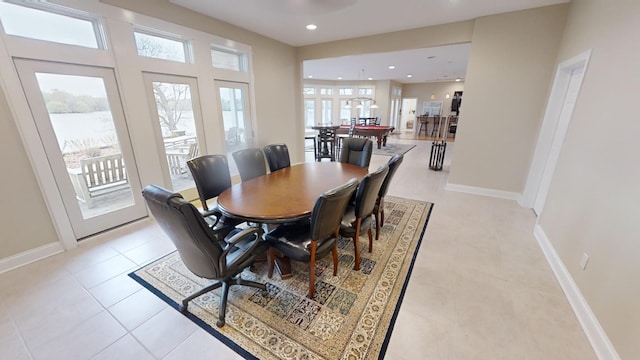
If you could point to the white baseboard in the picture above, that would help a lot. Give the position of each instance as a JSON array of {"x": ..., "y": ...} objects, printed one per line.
[
  {"x": 595, "y": 333},
  {"x": 30, "y": 256},
  {"x": 484, "y": 192}
]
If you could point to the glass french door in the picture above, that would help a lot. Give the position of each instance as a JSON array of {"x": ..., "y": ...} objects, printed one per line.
[
  {"x": 233, "y": 101},
  {"x": 175, "y": 104},
  {"x": 81, "y": 124}
]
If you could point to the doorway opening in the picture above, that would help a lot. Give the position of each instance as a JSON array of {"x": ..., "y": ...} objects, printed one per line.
[{"x": 408, "y": 114}]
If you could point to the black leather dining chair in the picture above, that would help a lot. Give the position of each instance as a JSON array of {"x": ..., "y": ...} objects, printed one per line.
[
  {"x": 211, "y": 176},
  {"x": 277, "y": 156},
  {"x": 358, "y": 215},
  {"x": 250, "y": 163},
  {"x": 378, "y": 209},
  {"x": 356, "y": 151},
  {"x": 202, "y": 250},
  {"x": 315, "y": 238}
]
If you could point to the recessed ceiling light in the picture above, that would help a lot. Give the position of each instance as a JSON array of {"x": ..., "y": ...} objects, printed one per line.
[
  {"x": 311, "y": 27},
  {"x": 310, "y": 76},
  {"x": 409, "y": 76},
  {"x": 370, "y": 78},
  {"x": 431, "y": 57},
  {"x": 339, "y": 77},
  {"x": 457, "y": 79},
  {"x": 391, "y": 67}
]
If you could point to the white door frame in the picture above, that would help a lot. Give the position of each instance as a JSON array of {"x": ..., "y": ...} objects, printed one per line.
[
  {"x": 81, "y": 225},
  {"x": 552, "y": 134}
]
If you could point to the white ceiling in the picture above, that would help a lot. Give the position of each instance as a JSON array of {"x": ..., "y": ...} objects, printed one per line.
[{"x": 285, "y": 21}]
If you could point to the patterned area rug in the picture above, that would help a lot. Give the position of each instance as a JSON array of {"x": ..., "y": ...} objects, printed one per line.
[
  {"x": 351, "y": 316},
  {"x": 391, "y": 149}
]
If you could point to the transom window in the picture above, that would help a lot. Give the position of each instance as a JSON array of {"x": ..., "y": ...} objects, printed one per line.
[
  {"x": 346, "y": 91},
  {"x": 50, "y": 23},
  {"x": 309, "y": 91},
  {"x": 161, "y": 47},
  {"x": 228, "y": 59},
  {"x": 365, "y": 91},
  {"x": 326, "y": 91}
]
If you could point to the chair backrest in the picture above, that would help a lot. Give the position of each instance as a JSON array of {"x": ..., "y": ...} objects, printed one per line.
[
  {"x": 277, "y": 156},
  {"x": 329, "y": 209},
  {"x": 367, "y": 192},
  {"x": 194, "y": 150},
  {"x": 211, "y": 175},
  {"x": 356, "y": 151},
  {"x": 250, "y": 163},
  {"x": 393, "y": 164},
  {"x": 232, "y": 136},
  {"x": 197, "y": 244},
  {"x": 378, "y": 120}
]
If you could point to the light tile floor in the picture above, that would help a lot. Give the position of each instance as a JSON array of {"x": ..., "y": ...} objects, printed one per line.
[{"x": 480, "y": 289}]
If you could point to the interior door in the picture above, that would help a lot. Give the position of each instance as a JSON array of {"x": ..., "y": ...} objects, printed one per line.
[
  {"x": 233, "y": 101},
  {"x": 175, "y": 104},
  {"x": 80, "y": 120}
]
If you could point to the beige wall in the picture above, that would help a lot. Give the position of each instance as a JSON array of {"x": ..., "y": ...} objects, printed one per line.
[
  {"x": 447, "y": 34},
  {"x": 510, "y": 66},
  {"x": 24, "y": 218},
  {"x": 592, "y": 205}
]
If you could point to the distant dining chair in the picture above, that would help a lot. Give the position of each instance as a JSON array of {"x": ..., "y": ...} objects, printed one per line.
[
  {"x": 277, "y": 156},
  {"x": 202, "y": 251},
  {"x": 250, "y": 163},
  {"x": 358, "y": 216},
  {"x": 211, "y": 176},
  {"x": 356, "y": 151},
  {"x": 315, "y": 238},
  {"x": 378, "y": 209}
]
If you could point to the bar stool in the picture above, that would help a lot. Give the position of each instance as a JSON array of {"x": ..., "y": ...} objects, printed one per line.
[
  {"x": 435, "y": 130},
  {"x": 424, "y": 121},
  {"x": 313, "y": 140},
  {"x": 326, "y": 143}
]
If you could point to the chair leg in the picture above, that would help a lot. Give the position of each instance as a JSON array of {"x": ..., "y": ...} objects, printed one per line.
[
  {"x": 370, "y": 233},
  {"x": 194, "y": 295},
  {"x": 222, "y": 307},
  {"x": 335, "y": 260},
  {"x": 377, "y": 225},
  {"x": 312, "y": 269},
  {"x": 356, "y": 251},
  {"x": 249, "y": 283},
  {"x": 270, "y": 260}
]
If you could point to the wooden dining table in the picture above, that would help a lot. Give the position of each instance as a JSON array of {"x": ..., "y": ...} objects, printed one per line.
[{"x": 285, "y": 195}]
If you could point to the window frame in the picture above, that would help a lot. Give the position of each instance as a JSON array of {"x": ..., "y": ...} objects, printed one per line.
[
  {"x": 187, "y": 46},
  {"x": 96, "y": 21}
]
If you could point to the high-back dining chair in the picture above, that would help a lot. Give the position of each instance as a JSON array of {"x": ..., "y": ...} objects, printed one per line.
[
  {"x": 316, "y": 238},
  {"x": 200, "y": 247},
  {"x": 250, "y": 163},
  {"x": 211, "y": 176},
  {"x": 358, "y": 216},
  {"x": 277, "y": 156},
  {"x": 378, "y": 209},
  {"x": 356, "y": 151}
]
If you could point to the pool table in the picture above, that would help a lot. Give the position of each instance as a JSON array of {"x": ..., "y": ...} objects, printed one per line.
[{"x": 380, "y": 132}]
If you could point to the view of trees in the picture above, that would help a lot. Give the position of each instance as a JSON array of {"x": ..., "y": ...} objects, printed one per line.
[
  {"x": 59, "y": 101},
  {"x": 171, "y": 100}
]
